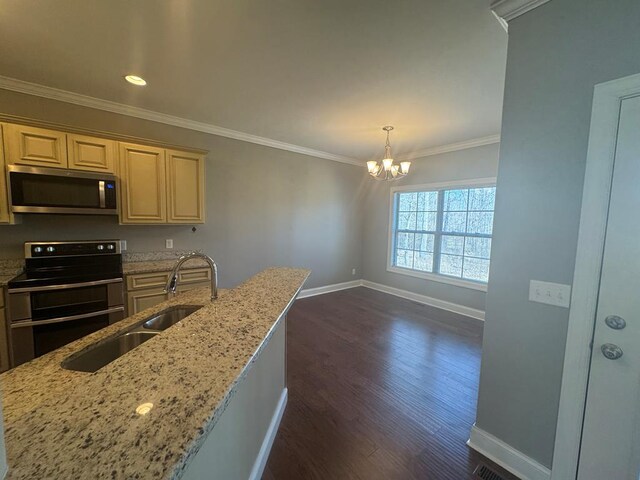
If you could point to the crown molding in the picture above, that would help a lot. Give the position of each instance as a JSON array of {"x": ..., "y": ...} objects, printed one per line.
[
  {"x": 38, "y": 90},
  {"x": 452, "y": 147},
  {"x": 510, "y": 9}
]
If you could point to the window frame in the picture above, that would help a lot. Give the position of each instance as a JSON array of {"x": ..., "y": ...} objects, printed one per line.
[{"x": 436, "y": 277}]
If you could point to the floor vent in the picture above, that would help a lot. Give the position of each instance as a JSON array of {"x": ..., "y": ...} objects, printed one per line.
[{"x": 485, "y": 473}]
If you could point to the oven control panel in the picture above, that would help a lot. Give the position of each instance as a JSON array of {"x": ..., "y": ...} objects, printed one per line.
[{"x": 69, "y": 249}]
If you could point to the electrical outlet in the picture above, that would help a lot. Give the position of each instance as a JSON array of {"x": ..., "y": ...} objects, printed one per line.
[
  {"x": 123, "y": 245},
  {"x": 555, "y": 294},
  {"x": 168, "y": 243},
  {"x": 353, "y": 271}
]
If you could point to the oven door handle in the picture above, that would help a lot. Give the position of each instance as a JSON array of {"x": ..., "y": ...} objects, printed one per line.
[
  {"x": 65, "y": 286},
  {"x": 35, "y": 323}
]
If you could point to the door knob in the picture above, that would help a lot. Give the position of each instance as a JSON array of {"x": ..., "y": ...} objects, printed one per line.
[
  {"x": 611, "y": 351},
  {"x": 615, "y": 322}
]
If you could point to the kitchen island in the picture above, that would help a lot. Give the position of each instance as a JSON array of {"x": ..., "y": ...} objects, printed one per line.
[{"x": 67, "y": 424}]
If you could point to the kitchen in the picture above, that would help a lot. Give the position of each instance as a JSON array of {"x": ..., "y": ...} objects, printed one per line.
[{"x": 301, "y": 240}]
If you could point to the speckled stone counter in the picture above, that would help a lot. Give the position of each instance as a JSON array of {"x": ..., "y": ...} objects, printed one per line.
[
  {"x": 61, "y": 424},
  {"x": 10, "y": 268},
  {"x": 150, "y": 266}
]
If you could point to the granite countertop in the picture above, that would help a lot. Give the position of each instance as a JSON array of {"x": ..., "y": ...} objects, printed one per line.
[
  {"x": 150, "y": 266},
  {"x": 65, "y": 424},
  {"x": 10, "y": 268}
]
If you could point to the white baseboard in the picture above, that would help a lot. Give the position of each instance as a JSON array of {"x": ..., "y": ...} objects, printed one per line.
[
  {"x": 312, "y": 292},
  {"x": 434, "y": 302},
  {"x": 506, "y": 456},
  {"x": 416, "y": 297},
  {"x": 267, "y": 443}
]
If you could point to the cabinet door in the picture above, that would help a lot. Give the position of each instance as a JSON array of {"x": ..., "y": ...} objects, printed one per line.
[
  {"x": 91, "y": 153},
  {"x": 185, "y": 178},
  {"x": 4, "y": 199},
  {"x": 4, "y": 343},
  {"x": 140, "y": 300},
  {"x": 142, "y": 184},
  {"x": 35, "y": 146}
]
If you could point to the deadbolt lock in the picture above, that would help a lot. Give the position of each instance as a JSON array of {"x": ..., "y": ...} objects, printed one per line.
[{"x": 611, "y": 351}]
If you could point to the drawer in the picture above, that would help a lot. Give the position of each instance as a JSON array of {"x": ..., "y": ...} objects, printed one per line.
[
  {"x": 194, "y": 276},
  {"x": 139, "y": 281},
  {"x": 192, "y": 286}
]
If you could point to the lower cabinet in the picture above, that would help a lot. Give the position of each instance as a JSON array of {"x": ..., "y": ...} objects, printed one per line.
[
  {"x": 145, "y": 290},
  {"x": 4, "y": 341}
]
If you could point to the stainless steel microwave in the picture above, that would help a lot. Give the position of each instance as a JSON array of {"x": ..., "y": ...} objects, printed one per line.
[{"x": 57, "y": 190}]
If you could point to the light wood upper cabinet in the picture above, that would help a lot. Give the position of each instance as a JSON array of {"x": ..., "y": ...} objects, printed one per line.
[
  {"x": 26, "y": 145},
  {"x": 5, "y": 216},
  {"x": 91, "y": 153},
  {"x": 185, "y": 182},
  {"x": 142, "y": 184}
]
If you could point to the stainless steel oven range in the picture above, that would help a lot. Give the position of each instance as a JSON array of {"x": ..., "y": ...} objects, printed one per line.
[{"x": 68, "y": 290}]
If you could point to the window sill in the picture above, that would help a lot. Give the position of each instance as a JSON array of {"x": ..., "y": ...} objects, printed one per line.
[{"x": 434, "y": 277}]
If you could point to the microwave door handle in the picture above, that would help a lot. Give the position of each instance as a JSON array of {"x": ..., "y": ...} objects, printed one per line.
[
  {"x": 103, "y": 203},
  {"x": 35, "y": 323}
]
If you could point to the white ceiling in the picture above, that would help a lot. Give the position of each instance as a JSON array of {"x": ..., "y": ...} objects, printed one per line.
[{"x": 322, "y": 74}]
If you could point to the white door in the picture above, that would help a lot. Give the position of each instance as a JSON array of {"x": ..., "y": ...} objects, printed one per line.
[{"x": 610, "y": 448}]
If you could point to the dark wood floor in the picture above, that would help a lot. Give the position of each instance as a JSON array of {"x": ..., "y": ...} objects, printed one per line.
[{"x": 379, "y": 388}]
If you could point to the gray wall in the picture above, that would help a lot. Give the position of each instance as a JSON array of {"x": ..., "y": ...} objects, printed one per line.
[
  {"x": 265, "y": 206},
  {"x": 467, "y": 164},
  {"x": 557, "y": 53}
]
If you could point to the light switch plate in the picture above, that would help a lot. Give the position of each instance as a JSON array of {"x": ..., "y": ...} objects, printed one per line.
[
  {"x": 555, "y": 294},
  {"x": 123, "y": 245},
  {"x": 168, "y": 243}
]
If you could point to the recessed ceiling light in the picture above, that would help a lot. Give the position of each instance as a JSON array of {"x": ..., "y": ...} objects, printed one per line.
[{"x": 136, "y": 80}]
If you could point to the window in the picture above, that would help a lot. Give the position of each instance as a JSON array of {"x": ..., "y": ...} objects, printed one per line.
[{"x": 443, "y": 233}]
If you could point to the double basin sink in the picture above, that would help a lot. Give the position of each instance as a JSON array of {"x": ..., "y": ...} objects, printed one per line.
[{"x": 100, "y": 354}]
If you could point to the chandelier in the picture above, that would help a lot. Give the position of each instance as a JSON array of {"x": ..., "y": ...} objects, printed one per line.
[{"x": 387, "y": 170}]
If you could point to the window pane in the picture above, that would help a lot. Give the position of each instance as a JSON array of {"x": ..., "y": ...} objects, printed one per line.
[
  {"x": 426, "y": 221},
  {"x": 482, "y": 198},
  {"x": 424, "y": 242},
  {"x": 428, "y": 201},
  {"x": 452, "y": 245},
  {"x": 408, "y": 202},
  {"x": 404, "y": 258},
  {"x": 405, "y": 241},
  {"x": 455, "y": 200},
  {"x": 451, "y": 265},
  {"x": 455, "y": 222},
  {"x": 406, "y": 221},
  {"x": 477, "y": 247},
  {"x": 480, "y": 222},
  {"x": 476, "y": 269},
  {"x": 423, "y": 261}
]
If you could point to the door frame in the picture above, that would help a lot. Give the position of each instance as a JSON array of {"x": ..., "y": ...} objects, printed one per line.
[{"x": 605, "y": 115}]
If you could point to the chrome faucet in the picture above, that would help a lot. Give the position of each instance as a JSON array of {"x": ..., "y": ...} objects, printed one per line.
[{"x": 172, "y": 282}]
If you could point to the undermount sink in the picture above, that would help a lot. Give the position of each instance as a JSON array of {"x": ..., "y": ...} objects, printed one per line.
[
  {"x": 169, "y": 317},
  {"x": 102, "y": 353}
]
